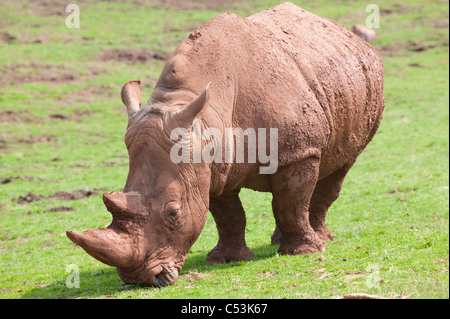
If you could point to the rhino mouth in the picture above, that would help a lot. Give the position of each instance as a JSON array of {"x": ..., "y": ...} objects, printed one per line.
[{"x": 161, "y": 275}]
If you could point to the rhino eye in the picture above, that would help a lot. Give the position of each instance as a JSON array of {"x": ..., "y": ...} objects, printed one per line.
[{"x": 174, "y": 213}]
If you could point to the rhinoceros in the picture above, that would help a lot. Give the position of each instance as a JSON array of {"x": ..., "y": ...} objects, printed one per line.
[{"x": 318, "y": 84}]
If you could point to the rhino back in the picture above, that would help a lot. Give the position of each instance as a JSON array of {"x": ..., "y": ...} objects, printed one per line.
[
  {"x": 343, "y": 71},
  {"x": 285, "y": 68}
]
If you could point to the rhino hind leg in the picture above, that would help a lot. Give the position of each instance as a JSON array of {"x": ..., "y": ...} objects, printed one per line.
[
  {"x": 325, "y": 193},
  {"x": 230, "y": 219},
  {"x": 292, "y": 188},
  {"x": 275, "y": 239}
]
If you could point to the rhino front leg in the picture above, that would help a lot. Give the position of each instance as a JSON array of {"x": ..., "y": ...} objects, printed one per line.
[
  {"x": 229, "y": 216},
  {"x": 292, "y": 188}
]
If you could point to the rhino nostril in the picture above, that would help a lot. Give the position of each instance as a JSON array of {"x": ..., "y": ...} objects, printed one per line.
[
  {"x": 166, "y": 277},
  {"x": 161, "y": 280}
]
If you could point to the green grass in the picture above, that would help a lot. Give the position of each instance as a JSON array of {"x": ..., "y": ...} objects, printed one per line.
[{"x": 391, "y": 220}]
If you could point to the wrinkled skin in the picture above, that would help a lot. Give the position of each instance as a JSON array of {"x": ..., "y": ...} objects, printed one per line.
[{"x": 319, "y": 84}]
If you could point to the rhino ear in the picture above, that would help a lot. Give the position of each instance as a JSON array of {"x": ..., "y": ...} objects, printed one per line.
[
  {"x": 186, "y": 115},
  {"x": 131, "y": 96}
]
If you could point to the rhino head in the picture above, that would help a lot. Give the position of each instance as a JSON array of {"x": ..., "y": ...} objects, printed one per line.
[{"x": 163, "y": 207}]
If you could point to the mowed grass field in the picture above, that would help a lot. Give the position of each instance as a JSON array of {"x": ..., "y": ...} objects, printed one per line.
[{"x": 61, "y": 146}]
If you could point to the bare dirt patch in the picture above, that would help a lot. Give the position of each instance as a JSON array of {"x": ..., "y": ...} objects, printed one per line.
[
  {"x": 76, "y": 116},
  {"x": 35, "y": 139},
  {"x": 43, "y": 8},
  {"x": 14, "y": 178},
  {"x": 8, "y": 117},
  {"x": 6, "y": 38},
  {"x": 29, "y": 198},
  {"x": 267, "y": 273},
  {"x": 47, "y": 244},
  {"x": 133, "y": 56},
  {"x": 405, "y": 48},
  {"x": 73, "y": 195},
  {"x": 58, "y": 7},
  {"x": 4, "y": 143},
  {"x": 88, "y": 95},
  {"x": 192, "y": 276},
  {"x": 18, "y": 73},
  {"x": 196, "y": 4},
  {"x": 395, "y": 191},
  {"x": 60, "y": 209}
]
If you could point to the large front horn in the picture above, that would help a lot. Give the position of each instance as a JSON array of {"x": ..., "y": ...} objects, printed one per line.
[
  {"x": 112, "y": 247},
  {"x": 120, "y": 245}
]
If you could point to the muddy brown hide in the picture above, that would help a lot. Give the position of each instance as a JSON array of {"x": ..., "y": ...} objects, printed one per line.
[{"x": 317, "y": 83}]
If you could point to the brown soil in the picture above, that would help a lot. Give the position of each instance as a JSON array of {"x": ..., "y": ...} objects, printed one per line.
[
  {"x": 35, "y": 139},
  {"x": 77, "y": 116},
  {"x": 42, "y": 7},
  {"x": 29, "y": 198},
  {"x": 395, "y": 191},
  {"x": 60, "y": 209},
  {"x": 47, "y": 244},
  {"x": 133, "y": 55},
  {"x": 6, "y": 38},
  {"x": 193, "y": 275},
  {"x": 8, "y": 117},
  {"x": 402, "y": 48},
  {"x": 88, "y": 95},
  {"x": 58, "y": 7},
  {"x": 13, "y": 178},
  {"x": 74, "y": 195},
  {"x": 197, "y": 4},
  {"x": 36, "y": 72},
  {"x": 26, "y": 140}
]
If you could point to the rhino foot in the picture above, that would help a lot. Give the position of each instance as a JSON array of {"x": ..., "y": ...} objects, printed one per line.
[
  {"x": 221, "y": 255},
  {"x": 302, "y": 249},
  {"x": 305, "y": 245},
  {"x": 324, "y": 234}
]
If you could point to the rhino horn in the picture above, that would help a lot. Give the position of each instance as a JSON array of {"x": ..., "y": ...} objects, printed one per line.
[
  {"x": 186, "y": 115},
  {"x": 107, "y": 245},
  {"x": 125, "y": 204},
  {"x": 131, "y": 96}
]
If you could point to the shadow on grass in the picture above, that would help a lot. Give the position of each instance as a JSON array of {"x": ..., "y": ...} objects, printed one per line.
[{"x": 104, "y": 283}]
